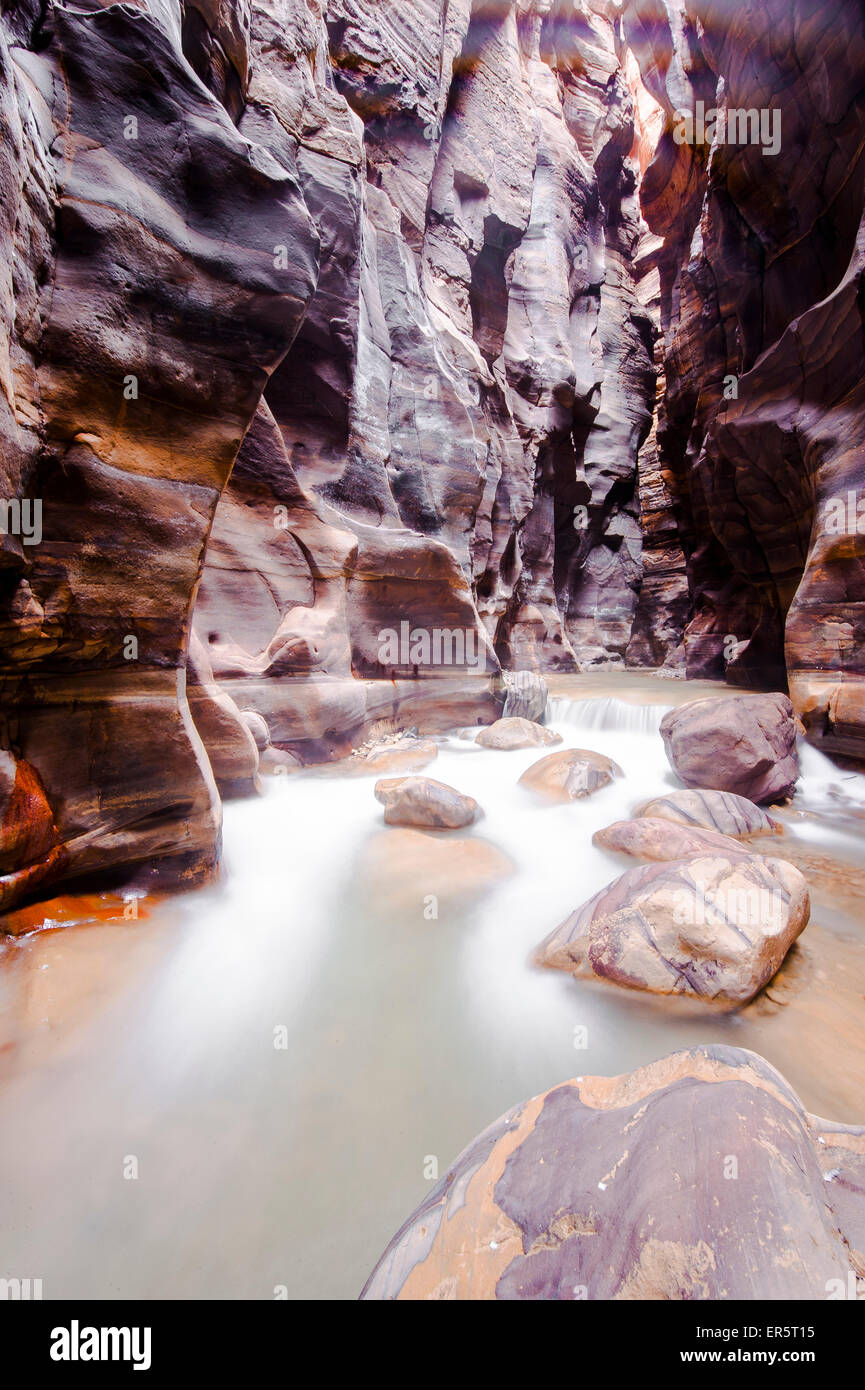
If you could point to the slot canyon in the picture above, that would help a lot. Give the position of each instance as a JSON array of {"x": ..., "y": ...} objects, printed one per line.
[{"x": 432, "y": 649}]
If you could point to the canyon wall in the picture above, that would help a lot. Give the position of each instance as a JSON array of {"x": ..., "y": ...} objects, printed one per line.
[
  {"x": 762, "y": 421},
  {"x": 331, "y": 356},
  {"x": 453, "y": 438},
  {"x": 376, "y": 259}
]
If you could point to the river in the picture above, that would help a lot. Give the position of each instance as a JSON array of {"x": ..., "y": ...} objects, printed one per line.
[{"x": 247, "y": 1090}]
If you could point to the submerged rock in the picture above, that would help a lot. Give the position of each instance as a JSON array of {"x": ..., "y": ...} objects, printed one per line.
[
  {"x": 722, "y": 811},
  {"x": 716, "y": 928},
  {"x": 510, "y": 733},
  {"x": 651, "y": 837},
  {"x": 744, "y": 744},
  {"x": 620, "y": 1188},
  {"x": 424, "y": 803},
  {"x": 420, "y": 874},
  {"x": 569, "y": 775}
]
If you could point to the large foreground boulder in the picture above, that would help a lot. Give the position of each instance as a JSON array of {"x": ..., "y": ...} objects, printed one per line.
[
  {"x": 715, "y": 928},
  {"x": 744, "y": 744},
  {"x": 569, "y": 775},
  {"x": 507, "y": 734},
  {"x": 722, "y": 811},
  {"x": 700, "y": 1176},
  {"x": 425, "y": 803}
]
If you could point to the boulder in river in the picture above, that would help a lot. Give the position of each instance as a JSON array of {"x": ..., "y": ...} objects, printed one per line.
[
  {"x": 622, "y": 1188},
  {"x": 651, "y": 837},
  {"x": 570, "y": 774},
  {"x": 424, "y": 803},
  {"x": 510, "y": 733},
  {"x": 722, "y": 811},
  {"x": 525, "y": 695},
  {"x": 714, "y": 928},
  {"x": 744, "y": 744}
]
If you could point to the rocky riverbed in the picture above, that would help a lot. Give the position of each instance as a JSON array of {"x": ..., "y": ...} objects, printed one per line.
[{"x": 296, "y": 1056}]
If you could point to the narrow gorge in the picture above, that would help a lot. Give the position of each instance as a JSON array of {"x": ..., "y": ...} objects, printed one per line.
[{"x": 432, "y": 549}]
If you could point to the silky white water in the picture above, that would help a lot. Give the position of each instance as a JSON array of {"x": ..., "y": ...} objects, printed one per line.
[{"x": 258, "y": 1109}]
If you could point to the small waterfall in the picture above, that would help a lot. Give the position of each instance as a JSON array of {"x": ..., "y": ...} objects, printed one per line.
[{"x": 607, "y": 713}]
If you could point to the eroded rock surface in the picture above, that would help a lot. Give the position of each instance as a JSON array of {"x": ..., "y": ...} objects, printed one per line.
[
  {"x": 333, "y": 328},
  {"x": 724, "y": 812},
  {"x": 760, "y": 251},
  {"x": 616, "y": 1188},
  {"x": 425, "y": 803},
  {"x": 713, "y": 927},
  {"x": 745, "y": 745},
  {"x": 659, "y": 838},
  {"x": 569, "y": 775},
  {"x": 513, "y": 732}
]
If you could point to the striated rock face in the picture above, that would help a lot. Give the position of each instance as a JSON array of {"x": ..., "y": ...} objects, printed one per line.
[
  {"x": 711, "y": 927},
  {"x": 635, "y": 1200},
  {"x": 137, "y": 229},
  {"x": 724, "y": 812},
  {"x": 452, "y": 441},
  {"x": 330, "y": 327},
  {"x": 376, "y": 258},
  {"x": 761, "y": 430}
]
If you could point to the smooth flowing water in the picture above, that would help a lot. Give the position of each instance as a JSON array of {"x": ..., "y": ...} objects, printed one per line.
[{"x": 249, "y": 1090}]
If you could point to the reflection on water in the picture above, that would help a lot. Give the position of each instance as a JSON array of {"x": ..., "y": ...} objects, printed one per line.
[{"x": 281, "y": 1061}]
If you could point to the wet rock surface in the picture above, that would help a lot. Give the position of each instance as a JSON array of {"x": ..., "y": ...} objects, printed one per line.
[
  {"x": 711, "y": 927},
  {"x": 424, "y": 803},
  {"x": 569, "y": 775},
  {"x": 724, "y": 812},
  {"x": 744, "y": 745},
  {"x": 514, "y": 732},
  {"x": 635, "y": 1201},
  {"x": 653, "y": 837}
]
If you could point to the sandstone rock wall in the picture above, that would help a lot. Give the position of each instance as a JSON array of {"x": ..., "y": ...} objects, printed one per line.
[
  {"x": 467, "y": 396},
  {"x": 322, "y": 317},
  {"x": 761, "y": 429},
  {"x": 382, "y": 250}
]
